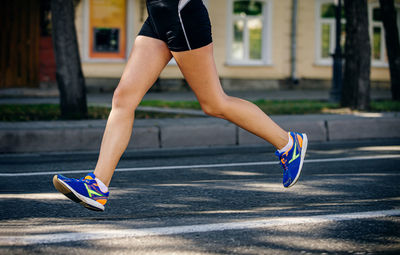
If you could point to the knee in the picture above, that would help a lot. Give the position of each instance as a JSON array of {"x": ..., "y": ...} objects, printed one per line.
[
  {"x": 125, "y": 98},
  {"x": 215, "y": 108},
  {"x": 119, "y": 97}
]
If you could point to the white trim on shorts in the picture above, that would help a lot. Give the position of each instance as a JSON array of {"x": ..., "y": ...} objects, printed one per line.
[{"x": 181, "y": 5}]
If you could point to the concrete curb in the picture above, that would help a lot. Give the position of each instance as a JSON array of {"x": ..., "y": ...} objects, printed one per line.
[{"x": 188, "y": 132}]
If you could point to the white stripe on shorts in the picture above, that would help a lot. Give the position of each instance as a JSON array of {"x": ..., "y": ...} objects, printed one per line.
[{"x": 181, "y": 5}]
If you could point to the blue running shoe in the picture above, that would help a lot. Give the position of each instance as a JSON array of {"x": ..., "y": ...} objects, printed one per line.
[
  {"x": 84, "y": 191},
  {"x": 292, "y": 160}
]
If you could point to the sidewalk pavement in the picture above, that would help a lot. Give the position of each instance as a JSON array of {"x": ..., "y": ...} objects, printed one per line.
[{"x": 49, "y": 136}]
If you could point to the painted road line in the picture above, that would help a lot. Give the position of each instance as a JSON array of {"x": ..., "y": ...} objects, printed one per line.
[
  {"x": 186, "y": 229},
  {"x": 156, "y": 168}
]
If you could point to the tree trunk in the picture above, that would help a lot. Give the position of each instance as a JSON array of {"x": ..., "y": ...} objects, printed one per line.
[
  {"x": 356, "y": 81},
  {"x": 388, "y": 14},
  {"x": 69, "y": 73}
]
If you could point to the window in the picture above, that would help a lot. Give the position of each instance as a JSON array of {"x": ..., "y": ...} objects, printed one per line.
[
  {"x": 107, "y": 29},
  {"x": 377, "y": 44},
  {"x": 247, "y": 37},
  {"x": 398, "y": 18},
  {"x": 326, "y": 31},
  {"x": 377, "y": 33},
  {"x": 107, "y": 34}
]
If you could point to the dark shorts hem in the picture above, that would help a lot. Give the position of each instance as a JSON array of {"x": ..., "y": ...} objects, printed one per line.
[{"x": 182, "y": 29}]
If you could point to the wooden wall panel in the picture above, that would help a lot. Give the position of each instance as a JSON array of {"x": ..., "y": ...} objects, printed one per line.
[
  {"x": 3, "y": 51},
  {"x": 19, "y": 43}
]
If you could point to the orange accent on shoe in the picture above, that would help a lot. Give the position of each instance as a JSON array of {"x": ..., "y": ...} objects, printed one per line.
[
  {"x": 300, "y": 140},
  {"x": 102, "y": 201},
  {"x": 88, "y": 178}
]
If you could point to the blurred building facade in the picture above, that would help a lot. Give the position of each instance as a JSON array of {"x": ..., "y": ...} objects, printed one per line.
[{"x": 252, "y": 42}]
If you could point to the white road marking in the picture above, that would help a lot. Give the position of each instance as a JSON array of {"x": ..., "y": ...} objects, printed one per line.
[
  {"x": 34, "y": 196},
  {"x": 155, "y": 168},
  {"x": 186, "y": 229}
]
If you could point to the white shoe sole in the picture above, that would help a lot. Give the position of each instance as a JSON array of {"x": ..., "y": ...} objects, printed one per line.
[{"x": 303, "y": 155}]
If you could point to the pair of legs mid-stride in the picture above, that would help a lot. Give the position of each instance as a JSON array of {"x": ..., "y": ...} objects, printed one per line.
[
  {"x": 179, "y": 29},
  {"x": 148, "y": 58}
]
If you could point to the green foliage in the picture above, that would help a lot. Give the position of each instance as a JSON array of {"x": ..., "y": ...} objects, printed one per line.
[
  {"x": 328, "y": 10},
  {"x": 36, "y": 112},
  {"x": 252, "y": 8},
  {"x": 25, "y": 112},
  {"x": 376, "y": 43},
  {"x": 385, "y": 106},
  {"x": 172, "y": 104},
  {"x": 276, "y": 107},
  {"x": 255, "y": 43}
]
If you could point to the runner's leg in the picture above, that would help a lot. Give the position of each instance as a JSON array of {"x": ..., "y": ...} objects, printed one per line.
[
  {"x": 199, "y": 69},
  {"x": 148, "y": 57}
]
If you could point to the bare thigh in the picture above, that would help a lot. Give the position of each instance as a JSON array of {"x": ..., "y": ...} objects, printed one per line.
[
  {"x": 199, "y": 69},
  {"x": 148, "y": 58}
]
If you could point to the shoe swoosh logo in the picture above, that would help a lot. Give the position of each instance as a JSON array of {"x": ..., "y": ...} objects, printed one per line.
[
  {"x": 295, "y": 156},
  {"x": 90, "y": 192}
]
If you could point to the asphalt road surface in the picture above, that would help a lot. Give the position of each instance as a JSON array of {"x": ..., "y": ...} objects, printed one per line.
[{"x": 209, "y": 201}]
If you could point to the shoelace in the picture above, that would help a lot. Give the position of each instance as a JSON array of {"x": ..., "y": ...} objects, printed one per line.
[
  {"x": 84, "y": 180},
  {"x": 282, "y": 162}
]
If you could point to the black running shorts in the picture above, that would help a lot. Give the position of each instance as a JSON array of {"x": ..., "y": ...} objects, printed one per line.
[{"x": 181, "y": 24}]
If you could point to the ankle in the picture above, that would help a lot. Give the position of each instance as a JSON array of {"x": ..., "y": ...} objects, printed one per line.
[
  {"x": 102, "y": 186},
  {"x": 288, "y": 144}
]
